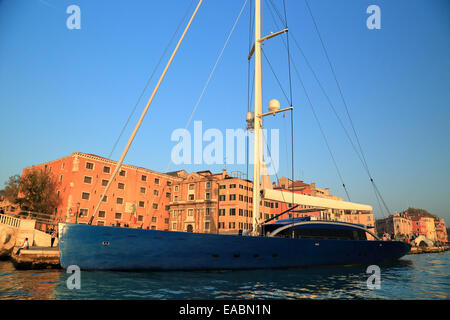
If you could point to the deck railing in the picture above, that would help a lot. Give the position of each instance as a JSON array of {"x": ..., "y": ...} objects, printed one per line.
[{"x": 9, "y": 221}]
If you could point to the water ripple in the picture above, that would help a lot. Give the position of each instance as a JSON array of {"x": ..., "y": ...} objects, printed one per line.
[{"x": 423, "y": 276}]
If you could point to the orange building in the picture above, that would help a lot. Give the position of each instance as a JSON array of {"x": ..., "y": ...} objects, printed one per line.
[
  {"x": 138, "y": 197},
  {"x": 441, "y": 230}
]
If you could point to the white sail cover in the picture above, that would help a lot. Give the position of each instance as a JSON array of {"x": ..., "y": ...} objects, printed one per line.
[{"x": 285, "y": 196}]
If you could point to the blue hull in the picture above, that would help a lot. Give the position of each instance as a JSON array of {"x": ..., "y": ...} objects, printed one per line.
[{"x": 111, "y": 248}]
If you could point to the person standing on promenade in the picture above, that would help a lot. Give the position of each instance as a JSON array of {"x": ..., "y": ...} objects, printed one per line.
[{"x": 54, "y": 235}]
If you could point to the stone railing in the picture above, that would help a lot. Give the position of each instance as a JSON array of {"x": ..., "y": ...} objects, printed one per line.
[{"x": 9, "y": 221}]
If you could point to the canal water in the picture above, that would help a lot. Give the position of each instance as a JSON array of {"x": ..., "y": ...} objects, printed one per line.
[{"x": 422, "y": 276}]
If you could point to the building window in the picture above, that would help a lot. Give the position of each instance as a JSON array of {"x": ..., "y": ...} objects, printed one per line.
[
  {"x": 105, "y": 198},
  {"x": 232, "y": 197},
  {"x": 207, "y": 212},
  {"x": 101, "y": 214},
  {"x": 106, "y": 169},
  {"x": 174, "y": 226},
  {"x": 60, "y": 178},
  {"x": 118, "y": 216},
  {"x": 231, "y": 225},
  {"x": 241, "y": 212},
  {"x": 156, "y": 193},
  {"x": 190, "y": 212},
  {"x": 140, "y": 218},
  {"x": 84, "y": 212},
  {"x": 142, "y": 204},
  {"x": 221, "y": 225},
  {"x": 100, "y": 223},
  {"x": 156, "y": 181},
  {"x": 221, "y": 212},
  {"x": 175, "y": 198},
  {"x": 153, "y": 219},
  {"x": 176, "y": 188},
  {"x": 143, "y": 178},
  {"x": 191, "y": 197},
  {"x": 208, "y": 196},
  {"x": 155, "y": 206},
  {"x": 85, "y": 196},
  {"x": 168, "y": 195},
  {"x": 222, "y": 197},
  {"x": 104, "y": 182},
  {"x": 121, "y": 185},
  {"x": 143, "y": 190},
  {"x": 222, "y": 186},
  {"x": 169, "y": 183},
  {"x": 89, "y": 165},
  {"x": 63, "y": 165},
  {"x": 191, "y": 186},
  {"x": 241, "y": 197},
  {"x": 208, "y": 185},
  {"x": 122, "y": 173},
  {"x": 232, "y": 212},
  {"x": 119, "y": 200},
  {"x": 207, "y": 225},
  {"x": 87, "y": 179},
  {"x": 232, "y": 186}
]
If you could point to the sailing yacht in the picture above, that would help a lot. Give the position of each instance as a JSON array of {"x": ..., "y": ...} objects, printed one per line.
[{"x": 286, "y": 243}]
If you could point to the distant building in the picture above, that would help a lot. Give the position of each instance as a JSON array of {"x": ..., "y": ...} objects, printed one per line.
[
  {"x": 398, "y": 224},
  {"x": 441, "y": 230}
]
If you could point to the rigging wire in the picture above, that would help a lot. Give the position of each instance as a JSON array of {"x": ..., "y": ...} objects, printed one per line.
[
  {"x": 148, "y": 83},
  {"x": 249, "y": 97},
  {"x": 151, "y": 76},
  {"x": 273, "y": 8},
  {"x": 211, "y": 73},
  {"x": 346, "y": 107}
]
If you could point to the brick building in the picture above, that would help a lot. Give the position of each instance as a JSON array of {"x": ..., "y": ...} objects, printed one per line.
[{"x": 138, "y": 197}]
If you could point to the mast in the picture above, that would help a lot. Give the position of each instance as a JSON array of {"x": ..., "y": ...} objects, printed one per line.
[{"x": 257, "y": 119}]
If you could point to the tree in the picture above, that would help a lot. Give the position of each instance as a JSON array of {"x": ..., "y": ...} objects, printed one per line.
[
  {"x": 11, "y": 189},
  {"x": 38, "y": 191}
]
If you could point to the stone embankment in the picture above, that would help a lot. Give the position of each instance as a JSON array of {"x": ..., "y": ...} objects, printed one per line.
[
  {"x": 36, "y": 258},
  {"x": 417, "y": 250}
]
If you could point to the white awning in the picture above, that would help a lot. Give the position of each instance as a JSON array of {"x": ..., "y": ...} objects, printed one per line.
[{"x": 285, "y": 196}]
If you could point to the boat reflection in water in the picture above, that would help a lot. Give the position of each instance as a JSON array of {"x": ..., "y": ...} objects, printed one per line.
[{"x": 339, "y": 282}]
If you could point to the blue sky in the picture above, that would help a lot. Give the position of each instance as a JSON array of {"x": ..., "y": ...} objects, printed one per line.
[{"x": 65, "y": 90}]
